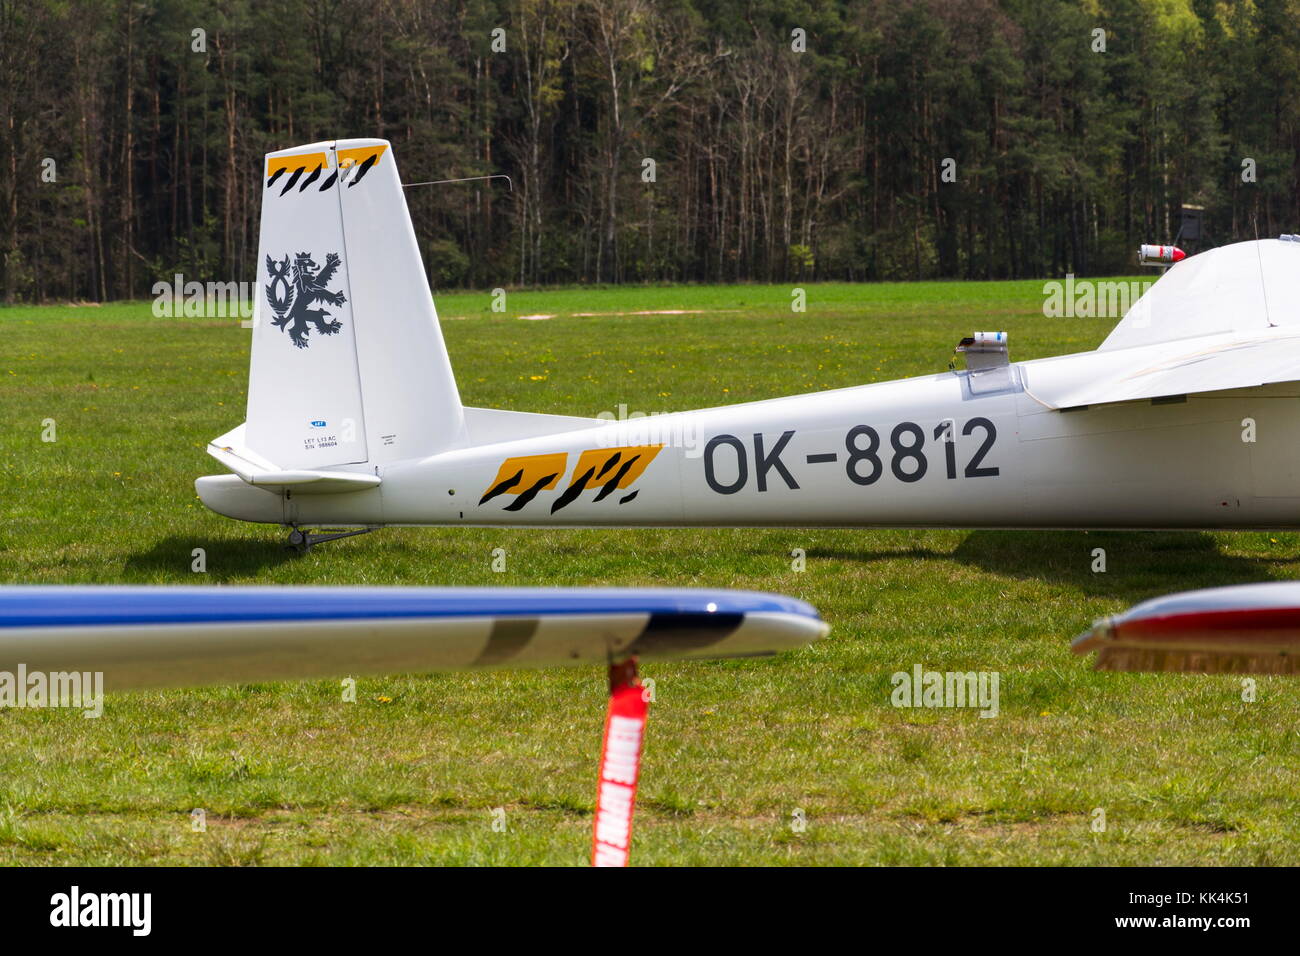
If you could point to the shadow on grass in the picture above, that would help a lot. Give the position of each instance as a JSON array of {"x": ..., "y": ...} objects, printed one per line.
[
  {"x": 224, "y": 557},
  {"x": 1138, "y": 564}
]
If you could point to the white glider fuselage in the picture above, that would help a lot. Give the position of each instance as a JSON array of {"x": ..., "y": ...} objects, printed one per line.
[
  {"x": 1186, "y": 416},
  {"x": 917, "y": 452}
]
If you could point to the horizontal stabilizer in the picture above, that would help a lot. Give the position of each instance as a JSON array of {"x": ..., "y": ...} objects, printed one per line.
[
  {"x": 312, "y": 482},
  {"x": 252, "y": 468},
  {"x": 189, "y": 636}
]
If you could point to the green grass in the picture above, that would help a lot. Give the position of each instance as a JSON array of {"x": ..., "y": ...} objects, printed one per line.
[{"x": 1186, "y": 772}]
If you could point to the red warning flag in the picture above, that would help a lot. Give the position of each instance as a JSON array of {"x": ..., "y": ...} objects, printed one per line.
[{"x": 620, "y": 765}]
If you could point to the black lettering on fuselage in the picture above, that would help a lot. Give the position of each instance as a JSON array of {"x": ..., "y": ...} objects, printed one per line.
[
  {"x": 742, "y": 464},
  {"x": 765, "y": 463}
]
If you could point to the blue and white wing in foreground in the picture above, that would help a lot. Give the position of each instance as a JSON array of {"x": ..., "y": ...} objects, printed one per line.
[{"x": 186, "y": 636}]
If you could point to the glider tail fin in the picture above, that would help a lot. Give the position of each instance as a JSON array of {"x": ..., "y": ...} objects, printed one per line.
[{"x": 348, "y": 363}]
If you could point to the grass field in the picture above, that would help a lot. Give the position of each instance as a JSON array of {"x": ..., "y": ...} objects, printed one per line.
[{"x": 1185, "y": 771}]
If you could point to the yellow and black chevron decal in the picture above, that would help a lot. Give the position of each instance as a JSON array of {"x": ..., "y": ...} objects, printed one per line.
[
  {"x": 302, "y": 170},
  {"x": 607, "y": 469}
]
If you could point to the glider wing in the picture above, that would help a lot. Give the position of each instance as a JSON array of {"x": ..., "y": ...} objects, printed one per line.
[
  {"x": 184, "y": 636},
  {"x": 1205, "y": 364},
  {"x": 1223, "y": 319},
  {"x": 1253, "y": 628}
]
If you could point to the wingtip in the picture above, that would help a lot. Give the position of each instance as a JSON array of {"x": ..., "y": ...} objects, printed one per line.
[{"x": 1095, "y": 638}]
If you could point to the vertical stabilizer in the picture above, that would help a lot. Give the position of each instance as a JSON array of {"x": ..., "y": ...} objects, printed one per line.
[{"x": 348, "y": 362}]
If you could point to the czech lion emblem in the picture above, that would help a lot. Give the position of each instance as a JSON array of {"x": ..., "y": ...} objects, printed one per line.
[{"x": 292, "y": 291}]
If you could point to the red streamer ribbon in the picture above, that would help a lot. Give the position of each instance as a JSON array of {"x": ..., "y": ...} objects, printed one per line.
[{"x": 620, "y": 765}]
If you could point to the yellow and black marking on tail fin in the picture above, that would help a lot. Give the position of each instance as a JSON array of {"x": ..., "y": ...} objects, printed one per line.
[
  {"x": 302, "y": 170},
  {"x": 363, "y": 158}
]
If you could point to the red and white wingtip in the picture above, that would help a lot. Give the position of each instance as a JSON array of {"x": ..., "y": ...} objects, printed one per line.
[
  {"x": 1247, "y": 629},
  {"x": 1152, "y": 255}
]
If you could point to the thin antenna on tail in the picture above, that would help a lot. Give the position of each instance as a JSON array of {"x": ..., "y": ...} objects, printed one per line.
[{"x": 467, "y": 179}]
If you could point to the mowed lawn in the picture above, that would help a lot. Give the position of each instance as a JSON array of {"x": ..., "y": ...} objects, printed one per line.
[{"x": 1185, "y": 771}]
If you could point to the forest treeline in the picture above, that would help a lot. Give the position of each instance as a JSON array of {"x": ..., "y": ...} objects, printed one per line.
[{"x": 650, "y": 140}]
